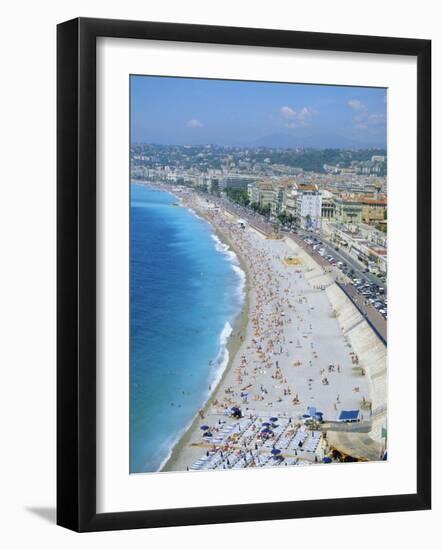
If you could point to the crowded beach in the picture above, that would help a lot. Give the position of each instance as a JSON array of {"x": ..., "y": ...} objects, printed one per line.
[{"x": 292, "y": 372}]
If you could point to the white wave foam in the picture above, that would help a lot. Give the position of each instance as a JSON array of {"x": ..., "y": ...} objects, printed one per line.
[
  {"x": 195, "y": 214},
  {"x": 239, "y": 272},
  {"x": 225, "y": 249},
  {"x": 225, "y": 333},
  {"x": 222, "y": 358},
  {"x": 234, "y": 262},
  {"x": 240, "y": 290}
]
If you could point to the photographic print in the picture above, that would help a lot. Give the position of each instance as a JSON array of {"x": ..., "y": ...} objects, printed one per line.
[{"x": 258, "y": 274}]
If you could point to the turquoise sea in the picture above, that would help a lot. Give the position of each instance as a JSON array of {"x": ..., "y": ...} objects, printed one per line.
[{"x": 186, "y": 288}]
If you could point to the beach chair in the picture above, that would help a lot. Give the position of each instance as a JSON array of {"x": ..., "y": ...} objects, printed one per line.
[
  {"x": 300, "y": 437},
  {"x": 284, "y": 441},
  {"x": 199, "y": 463}
]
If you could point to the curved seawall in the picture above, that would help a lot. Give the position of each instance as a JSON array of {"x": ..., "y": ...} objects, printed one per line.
[{"x": 372, "y": 353}]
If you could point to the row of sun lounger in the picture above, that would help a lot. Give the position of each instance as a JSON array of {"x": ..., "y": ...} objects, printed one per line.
[
  {"x": 299, "y": 437},
  {"x": 312, "y": 442},
  {"x": 237, "y": 461},
  {"x": 248, "y": 432}
]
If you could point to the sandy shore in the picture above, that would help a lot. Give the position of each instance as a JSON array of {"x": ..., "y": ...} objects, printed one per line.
[{"x": 287, "y": 353}]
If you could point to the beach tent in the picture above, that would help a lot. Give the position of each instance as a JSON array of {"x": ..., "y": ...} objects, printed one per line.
[{"x": 349, "y": 416}]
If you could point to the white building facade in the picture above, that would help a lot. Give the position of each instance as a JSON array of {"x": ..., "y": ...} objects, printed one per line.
[{"x": 309, "y": 206}]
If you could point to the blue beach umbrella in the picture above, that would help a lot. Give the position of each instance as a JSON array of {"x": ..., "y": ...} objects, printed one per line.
[
  {"x": 326, "y": 460},
  {"x": 265, "y": 431},
  {"x": 273, "y": 419},
  {"x": 208, "y": 434},
  {"x": 266, "y": 423},
  {"x": 205, "y": 427},
  {"x": 275, "y": 451}
]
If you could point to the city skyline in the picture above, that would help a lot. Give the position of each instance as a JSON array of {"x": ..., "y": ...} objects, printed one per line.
[{"x": 186, "y": 111}]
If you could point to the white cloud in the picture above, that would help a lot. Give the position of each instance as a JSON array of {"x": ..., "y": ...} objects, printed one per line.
[
  {"x": 305, "y": 113},
  {"x": 194, "y": 123},
  {"x": 362, "y": 118},
  {"x": 287, "y": 112},
  {"x": 296, "y": 119},
  {"x": 356, "y": 105},
  {"x": 365, "y": 120}
]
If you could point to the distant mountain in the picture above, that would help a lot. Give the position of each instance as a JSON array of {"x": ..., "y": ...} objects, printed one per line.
[
  {"x": 299, "y": 138},
  {"x": 306, "y": 137}
]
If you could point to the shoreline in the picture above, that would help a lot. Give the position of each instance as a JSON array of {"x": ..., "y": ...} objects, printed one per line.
[{"x": 239, "y": 325}]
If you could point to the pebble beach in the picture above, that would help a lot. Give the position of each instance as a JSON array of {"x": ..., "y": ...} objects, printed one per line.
[{"x": 289, "y": 361}]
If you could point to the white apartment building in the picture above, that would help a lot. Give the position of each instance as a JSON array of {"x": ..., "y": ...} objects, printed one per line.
[{"x": 309, "y": 206}]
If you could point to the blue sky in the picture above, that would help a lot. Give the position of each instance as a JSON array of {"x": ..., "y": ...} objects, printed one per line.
[{"x": 169, "y": 110}]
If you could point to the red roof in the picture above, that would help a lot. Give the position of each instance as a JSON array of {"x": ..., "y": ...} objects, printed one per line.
[{"x": 380, "y": 202}]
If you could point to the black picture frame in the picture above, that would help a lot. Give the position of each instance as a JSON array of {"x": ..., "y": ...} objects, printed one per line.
[{"x": 77, "y": 287}]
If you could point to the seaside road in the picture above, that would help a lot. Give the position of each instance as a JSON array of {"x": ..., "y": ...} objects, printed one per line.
[{"x": 370, "y": 312}]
